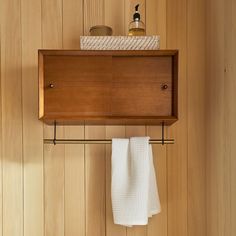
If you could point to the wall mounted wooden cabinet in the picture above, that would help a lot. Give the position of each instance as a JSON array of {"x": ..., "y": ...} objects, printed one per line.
[{"x": 108, "y": 87}]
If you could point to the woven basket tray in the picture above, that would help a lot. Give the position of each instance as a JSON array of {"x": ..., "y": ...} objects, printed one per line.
[{"x": 119, "y": 42}]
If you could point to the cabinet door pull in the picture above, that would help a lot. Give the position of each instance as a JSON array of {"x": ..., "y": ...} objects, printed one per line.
[{"x": 164, "y": 87}]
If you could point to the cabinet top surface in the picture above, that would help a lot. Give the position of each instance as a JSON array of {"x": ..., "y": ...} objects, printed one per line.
[{"x": 49, "y": 52}]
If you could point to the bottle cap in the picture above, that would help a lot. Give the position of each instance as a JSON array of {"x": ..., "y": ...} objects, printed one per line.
[{"x": 136, "y": 15}]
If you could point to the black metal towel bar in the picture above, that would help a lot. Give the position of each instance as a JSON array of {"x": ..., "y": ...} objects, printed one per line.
[{"x": 102, "y": 141}]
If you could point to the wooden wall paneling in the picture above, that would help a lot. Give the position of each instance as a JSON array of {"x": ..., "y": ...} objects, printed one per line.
[
  {"x": 54, "y": 176},
  {"x": 74, "y": 183},
  {"x": 11, "y": 118},
  {"x": 111, "y": 228},
  {"x": 227, "y": 93},
  {"x": 94, "y": 154},
  {"x": 221, "y": 188},
  {"x": 233, "y": 127},
  {"x": 52, "y": 24},
  {"x": 156, "y": 25},
  {"x": 114, "y": 15},
  {"x": 136, "y": 131},
  {"x": 130, "y": 10},
  {"x": 156, "y": 19},
  {"x": 74, "y": 154},
  {"x": 158, "y": 223},
  {"x": 215, "y": 128},
  {"x": 93, "y": 14},
  {"x": 72, "y": 23},
  {"x": 177, "y": 153},
  {"x": 54, "y": 156},
  {"x": 196, "y": 74},
  {"x": 229, "y": 187},
  {"x": 229, "y": 119},
  {"x": 95, "y": 180},
  {"x": 32, "y": 127},
  {"x": 1, "y": 157}
]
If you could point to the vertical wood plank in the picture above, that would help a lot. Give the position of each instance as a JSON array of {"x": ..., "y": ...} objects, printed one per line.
[
  {"x": 53, "y": 155},
  {"x": 93, "y": 14},
  {"x": 136, "y": 131},
  {"x": 74, "y": 154},
  {"x": 111, "y": 228},
  {"x": 156, "y": 19},
  {"x": 229, "y": 121},
  {"x": 11, "y": 118},
  {"x": 72, "y": 23},
  {"x": 158, "y": 223},
  {"x": 1, "y": 156},
  {"x": 196, "y": 74},
  {"x": 52, "y": 24},
  {"x": 221, "y": 188},
  {"x": 156, "y": 25},
  {"x": 215, "y": 128},
  {"x": 233, "y": 118},
  {"x": 95, "y": 174},
  {"x": 177, "y": 153},
  {"x": 114, "y": 15},
  {"x": 54, "y": 184},
  {"x": 130, "y": 10},
  {"x": 74, "y": 183},
  {"x": 95, "y": 154},
  {"x": 32, "y": 127}
]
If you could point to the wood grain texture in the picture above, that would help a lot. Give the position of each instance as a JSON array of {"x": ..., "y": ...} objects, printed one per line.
[
  {"x": 158, "y": 223},
  {"x": 221, "y": 188},
  {"x": 177, "y": 154},
  {"x": 95, "y": 180},
  {"x": 196, "y": 74},
  {"x": 32, "y": 128},
  {"x": 72, "y": 23},
  {"x": 216, "y": 149},
  {"x": 54, "y": 156},
  {"x": 72, "y": 173},
  {"x": 74, "y": 183},
  {"x": 1, "y": 156},
  {"x": 52, "y": 24},
  {"x": 11, "y": 118},
  {"x": 156, "y": 12},
  {"x": 114, "y": 15},
  {"x": 89, "y": 86},
  {"x": 75, "y": 211},
  {"x": 233, "y": 117},
  {"x": 156, "y": 19},
  {"x": 54, "y": 176},
  {"x": 93, "y": 14}
]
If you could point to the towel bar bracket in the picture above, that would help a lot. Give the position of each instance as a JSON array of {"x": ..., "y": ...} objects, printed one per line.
[
  {"x": 163, "y": 132},
  {"x": 102, "y": 141},
  {"x": 55, "y": 133}
]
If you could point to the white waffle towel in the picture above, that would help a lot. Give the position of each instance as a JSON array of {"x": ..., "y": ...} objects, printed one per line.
[{"x": 133, "y": 188}]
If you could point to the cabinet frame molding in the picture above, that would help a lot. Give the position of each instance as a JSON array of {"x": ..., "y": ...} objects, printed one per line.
[{"x": 109, "y": 119}]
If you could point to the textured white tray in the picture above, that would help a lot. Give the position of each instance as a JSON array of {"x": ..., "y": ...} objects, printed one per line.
[{"x": 120, "y": 42}]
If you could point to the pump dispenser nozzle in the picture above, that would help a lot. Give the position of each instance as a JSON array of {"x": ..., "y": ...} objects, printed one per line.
[
  {"x": 136, "y": 27},
  {"x": 136, "y": 15}
]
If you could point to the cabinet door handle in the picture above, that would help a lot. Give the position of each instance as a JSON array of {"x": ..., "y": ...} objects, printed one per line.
[
  {"x": 51, "y": 85},
  {"x": 164, "y": 87}
]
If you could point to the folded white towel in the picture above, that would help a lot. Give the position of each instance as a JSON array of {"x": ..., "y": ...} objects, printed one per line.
[{"x": 134, "y": 190}]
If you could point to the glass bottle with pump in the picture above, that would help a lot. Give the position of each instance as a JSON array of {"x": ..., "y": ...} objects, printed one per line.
[{"x": 136, "y": 27}]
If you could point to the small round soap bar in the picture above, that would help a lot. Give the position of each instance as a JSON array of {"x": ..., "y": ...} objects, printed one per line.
[{"x": 100, "y": 30}]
